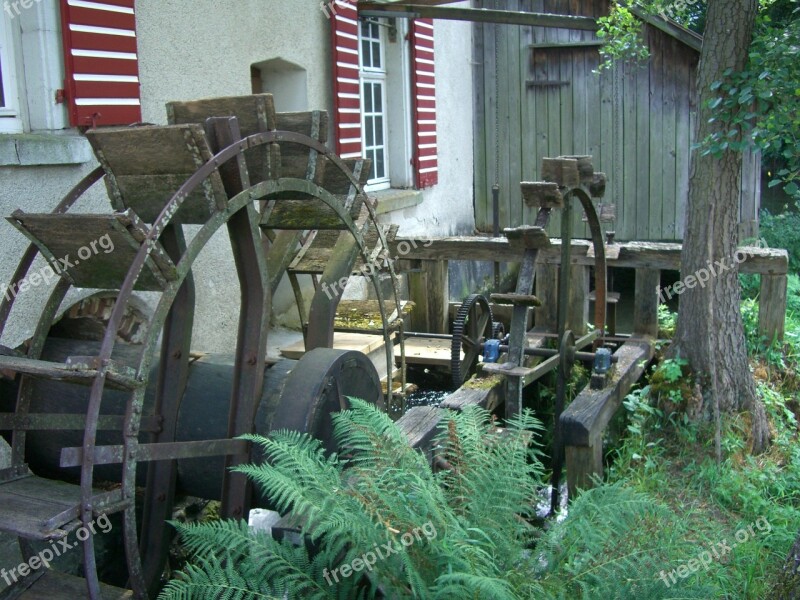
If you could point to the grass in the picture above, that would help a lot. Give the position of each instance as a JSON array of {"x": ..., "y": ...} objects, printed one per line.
[{"x": 671, "y": 457}]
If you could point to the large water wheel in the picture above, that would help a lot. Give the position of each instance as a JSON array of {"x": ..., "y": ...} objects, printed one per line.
[{"x": 230, "y": 162}]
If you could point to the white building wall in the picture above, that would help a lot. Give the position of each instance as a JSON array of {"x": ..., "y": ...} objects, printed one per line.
[{"x": 192, "y": 49}]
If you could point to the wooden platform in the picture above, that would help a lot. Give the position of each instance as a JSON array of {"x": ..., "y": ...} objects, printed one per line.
[
  {"x": 425, "y": 351},
  {"x": 341, "y": 341}
]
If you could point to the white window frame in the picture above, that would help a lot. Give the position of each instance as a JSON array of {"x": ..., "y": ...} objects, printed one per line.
[
  {"x": 10, "y": 117},
  {"x": 371, "y": 75}
]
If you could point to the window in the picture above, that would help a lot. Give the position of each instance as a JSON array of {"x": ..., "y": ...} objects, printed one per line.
[
  {"x": 385, "y": 96},
  {"x": 10, "y": 121},
  {"x": 373, "y": 102}
]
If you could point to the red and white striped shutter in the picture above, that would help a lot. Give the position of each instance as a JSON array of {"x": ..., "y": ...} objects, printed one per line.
[
  {"x": 102, "y": 66},
  {"x": 426, "y": 161},
  {"x": 346, "y": 84}
]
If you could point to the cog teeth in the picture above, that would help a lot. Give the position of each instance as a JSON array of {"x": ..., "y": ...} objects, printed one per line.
[{"x": 458, "y": 376}]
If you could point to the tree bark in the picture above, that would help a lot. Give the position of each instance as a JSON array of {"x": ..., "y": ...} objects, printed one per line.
[{"x": 710, "y": 333}]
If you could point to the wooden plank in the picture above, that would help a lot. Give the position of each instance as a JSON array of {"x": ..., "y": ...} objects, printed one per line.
[
  {"x": 305, "y": 214},
  {"x": 569, "y": 45},
  {"x": 655, "y": 223},
  {"x": 53, "y": 584},
  {"x": 147, "y": 195},
  {"x": 508, "y": 17},
  {"x": 421, "y": 425},
  {"x": 578, "y": 303},
  {"x": 39, "y": 369},
  {"x": 686, "y": 36},
  {"x": 111, "y": 242},
  {"x": 683, "y": 139},
  {"x": 547, "y": 291},
  {"x": 505, "y": 76},
  {"x": 586, "y": 418},
  {"x": 43, "y": 509},
  {"x": 255, "y": 113},
  {"x": 646, "y": 255},
  {"x": 584, "y": 463},
  {"x": 514, "y": 94},
  {"x": 487, "y": 393},
  {"x": 642, "y": 164},
  {"x": 156, "y": 150},
  {"x": 627, "y": 200},
  {"x": 669, "y": 133},
  {"x": 480, "y": 125},
  {"x": 426, "y": 351},
  {"x": 772, "y": 306},
  {"x": 429, "y": 291},
  {"x": 646, "y": 298},
  {"x": 359, "y": 342}
]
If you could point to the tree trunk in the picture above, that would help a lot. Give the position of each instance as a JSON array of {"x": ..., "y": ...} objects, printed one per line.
[
  {"x": 788, "y": 587},
  {"x": 710, "y": 332}
]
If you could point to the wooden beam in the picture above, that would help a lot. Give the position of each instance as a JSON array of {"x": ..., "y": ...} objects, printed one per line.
[
  {"x": 587, "y": 415},
  {"x": 633, "y": 255},
  {"x": 772, "y": 306},
  {"x": 571, "y": 45},
  {"x": 429, "y": 290},
  {"x": 578, "y": 301},
  {"x": 687, "y": 36},
  {"x": 645, "y": 310},
  {"x": 476, "y": 15},
  {"x": 586, "y": 418}
]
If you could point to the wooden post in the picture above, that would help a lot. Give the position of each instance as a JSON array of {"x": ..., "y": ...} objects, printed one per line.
[
  {"x": 645, "y": 312},
  {"x": 547, "y": 292},
  {"x": 430, "y": 291},
  {"x": 578, "y": 304},
  {"x": 772, "y": 306},
  {"x": 585, "y": 420},
  {"x": 583, "y": 463}
]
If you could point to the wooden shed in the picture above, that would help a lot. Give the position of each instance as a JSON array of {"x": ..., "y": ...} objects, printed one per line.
[{"x": 537, "y": 95}]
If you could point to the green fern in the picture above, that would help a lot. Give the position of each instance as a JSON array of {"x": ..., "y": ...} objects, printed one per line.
[{"x": 469, "y": 525}]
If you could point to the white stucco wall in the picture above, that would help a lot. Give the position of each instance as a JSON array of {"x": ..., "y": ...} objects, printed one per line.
[{"x": 192, "y": 49}]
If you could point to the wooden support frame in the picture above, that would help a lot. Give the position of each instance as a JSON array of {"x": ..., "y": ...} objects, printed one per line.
[{"x": 429, "y": 290}]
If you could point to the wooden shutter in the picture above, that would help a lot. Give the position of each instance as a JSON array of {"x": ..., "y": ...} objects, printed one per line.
[
  {"x": 101, "y": 58},
  {"x": 346, "y": 84},
  {"x": 426, "y": 161}
]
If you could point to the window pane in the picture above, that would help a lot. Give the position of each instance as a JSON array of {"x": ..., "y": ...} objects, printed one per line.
[
  {"x": 2, "y": 93},
  {"x": 365, "y": 28},
  {"x": 378, "y": 93},
  {"x": 368, "y": 103},
  {"x": 369, "y": 126},
  {"x": 380, "y": 165},
  {"x": 366, "y": 60},
  {"x": 379, "y": 131},
  {"x": 376, "y": 55}
]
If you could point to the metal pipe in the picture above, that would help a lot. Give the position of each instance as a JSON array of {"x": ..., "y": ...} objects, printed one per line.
[{"x": 496, "y": 230}]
